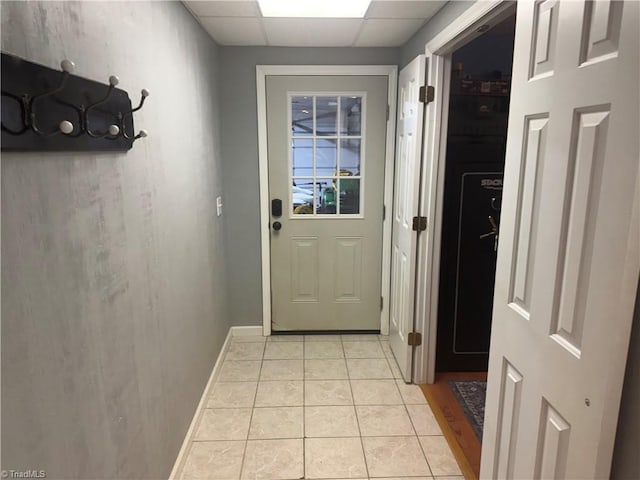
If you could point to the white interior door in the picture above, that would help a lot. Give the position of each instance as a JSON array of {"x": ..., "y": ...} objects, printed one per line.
[
  {"x": 568, "y": 259},
  {"x": 326, "y": 151},
  {"x": 406, "y": 196}
]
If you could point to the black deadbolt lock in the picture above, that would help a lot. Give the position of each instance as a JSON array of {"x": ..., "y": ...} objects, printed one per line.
[
  {"x": 277, "y": 226},
  {"x": 276, "y": 207}
]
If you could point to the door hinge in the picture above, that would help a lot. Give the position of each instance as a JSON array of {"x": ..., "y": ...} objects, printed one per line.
[
  {"x": 381, "y": 302},
  {"x": 419, "y": 224},
  {"x": 387, "y": 112},
  {"x": 414, "y": 339},
  {"x": 427, "y": 94}
]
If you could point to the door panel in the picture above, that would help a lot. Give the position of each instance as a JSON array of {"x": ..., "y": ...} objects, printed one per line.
[
  {"x": 570, "y": 243},
  {"x": 406, "y": 197},
  {"x": 326, "y": 149}
]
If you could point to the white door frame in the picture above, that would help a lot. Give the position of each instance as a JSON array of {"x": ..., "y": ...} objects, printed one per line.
[
  {"x": 262, "y": 71},
  {"x": 438, "y": 51}
]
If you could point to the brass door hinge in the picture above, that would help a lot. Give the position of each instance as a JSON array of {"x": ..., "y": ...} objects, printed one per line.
[
  {"x": 419, "y": 224},
  {"x": 381, "y": 302},
  {"x": 427, "y": 94},
  {"x": 414, "y": 339}
]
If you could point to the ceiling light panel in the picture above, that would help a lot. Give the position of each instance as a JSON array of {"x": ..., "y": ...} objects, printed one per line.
[
  {"x": 311, "y": 32},
  {"x": 314, "y": 8}
]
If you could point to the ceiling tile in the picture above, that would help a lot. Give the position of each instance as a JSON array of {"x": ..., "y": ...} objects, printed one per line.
[
  {"x": 311, "y": 32},
  {"x": 234, "y": 30},
  {"x": 228, "y": 8},
  {"x": 387, "y": 32},
  {"x": 404, "y": 8}
]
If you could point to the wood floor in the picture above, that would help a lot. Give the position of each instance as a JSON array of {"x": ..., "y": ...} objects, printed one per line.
[{"x": 462, "y": 439}]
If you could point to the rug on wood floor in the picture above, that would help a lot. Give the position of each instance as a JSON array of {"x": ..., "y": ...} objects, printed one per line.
[{"x": 471, "y": 395}]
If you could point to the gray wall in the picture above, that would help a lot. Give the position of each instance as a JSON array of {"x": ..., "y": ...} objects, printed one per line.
[
  {"x": 415, "y": 45},
  {"x": 626, "y": 457},
  {"x": 240, "y": 153},
  {"x": 113, "y": 277}
]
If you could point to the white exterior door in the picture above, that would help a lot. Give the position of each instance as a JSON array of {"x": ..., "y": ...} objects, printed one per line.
[
  {"x": 326, "y": 151},
  {"x": 568, "y": 259},
  {"x": 406, "y": 197}
]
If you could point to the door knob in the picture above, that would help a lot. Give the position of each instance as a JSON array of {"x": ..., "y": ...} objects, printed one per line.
[{"x": 277, "y": 226}]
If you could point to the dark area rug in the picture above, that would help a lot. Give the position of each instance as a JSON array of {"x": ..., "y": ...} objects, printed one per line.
[{"x": 471, "y": 395}]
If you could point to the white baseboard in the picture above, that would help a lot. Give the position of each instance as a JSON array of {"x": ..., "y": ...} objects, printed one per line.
[
  {"x": 177, "y": 466},
  {"x": 246, "y": 331}
]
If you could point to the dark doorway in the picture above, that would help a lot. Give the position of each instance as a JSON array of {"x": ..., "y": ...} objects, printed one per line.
[{"x": 476, "y": 139}]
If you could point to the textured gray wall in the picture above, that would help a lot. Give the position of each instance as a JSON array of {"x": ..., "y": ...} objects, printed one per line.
[
  {"x": 113, "y": 274},
  {"x": 240, "y": 153}
]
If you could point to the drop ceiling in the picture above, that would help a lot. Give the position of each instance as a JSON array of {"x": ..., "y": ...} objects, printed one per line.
[{"x": 387, "y": 23}]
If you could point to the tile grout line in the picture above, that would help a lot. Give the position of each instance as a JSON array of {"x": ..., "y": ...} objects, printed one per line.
[
  {"x": 355, "y": 412},
  {"x": 255, "y": 396},
  {"x": 304, "y": 414}
]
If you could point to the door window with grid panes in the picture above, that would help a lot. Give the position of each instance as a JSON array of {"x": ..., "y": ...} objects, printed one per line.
[{"x": 326, "y": 154}]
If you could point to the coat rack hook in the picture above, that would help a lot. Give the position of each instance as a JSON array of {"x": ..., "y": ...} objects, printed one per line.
[
  {"x": 68, "y": 67},
  {"x": 113, "y": 81},
  {"x": 144, "y": 93}
]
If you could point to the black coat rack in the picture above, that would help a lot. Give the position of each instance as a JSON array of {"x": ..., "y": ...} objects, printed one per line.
[{"x": 50, "y": 110}]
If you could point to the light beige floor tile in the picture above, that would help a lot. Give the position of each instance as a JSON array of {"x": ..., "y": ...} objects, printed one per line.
[
  {"x": 439, "y": 456},
  {"x": 395, "y": 370},
  {"x": 240, "y": 371},
  {"x": 325, "y": 369},
  {"x": 285, "y": 338},
  {"x": 282, "y": 369},
  {"x": 386, "y": 348},
  {"x": 327, "y": 392},
  {"x": 214, "y": 460},
  {"x": 360, "y": 337},
  {"x": 394, "y": 456},
  {"x": 423, "y": 420},
  {"x": 245, "y": 351},
  {"x": 384, "y": 421},
  {"x": 248, "y": 339},
  {"x": 323, "y": 350},
  {"x": 411, "y": 394},
  {"x": 273, "y": 460},
  {"x": 232, "y": 395},
  {"x": 334, "y": 457},
  {"x": 223, "y": 424},
  {"x": 368, "y": 368},
  {"x": 283, "y": 350},
  {"x": 383, "y": 338},
  {"x": 279, "y": 394},
  {"x": 322, "y": 338},
  {"x": 276, "y": 422},
  {"x": 362, "y": 350},
  {"x": 375, "y": 392},
  {"x": 330, "y": 422}
]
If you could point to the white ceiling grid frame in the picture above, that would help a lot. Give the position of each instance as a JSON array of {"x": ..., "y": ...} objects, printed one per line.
[{"x": 387, "y": 23}]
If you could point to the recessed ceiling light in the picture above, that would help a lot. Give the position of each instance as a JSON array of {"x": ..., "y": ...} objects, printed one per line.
[{"x": 314, "y": 8}]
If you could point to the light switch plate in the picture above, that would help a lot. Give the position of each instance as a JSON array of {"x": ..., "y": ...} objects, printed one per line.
[{"x": 219, "y": 205}]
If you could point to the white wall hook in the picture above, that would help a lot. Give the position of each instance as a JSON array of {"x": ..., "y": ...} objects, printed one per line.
[{"x": 67, "y": 66}]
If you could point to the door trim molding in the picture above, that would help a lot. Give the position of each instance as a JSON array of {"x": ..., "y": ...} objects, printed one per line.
[
  {"x": 262, "y": 71},
  {"x": 438, "y": 52}
]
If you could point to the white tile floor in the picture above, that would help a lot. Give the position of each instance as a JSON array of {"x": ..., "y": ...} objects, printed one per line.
[{"x": 317, "y": 407}]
